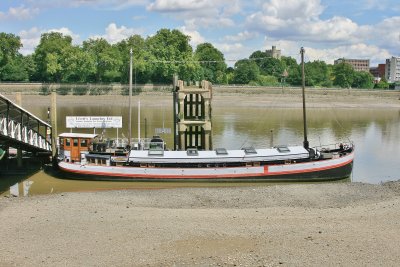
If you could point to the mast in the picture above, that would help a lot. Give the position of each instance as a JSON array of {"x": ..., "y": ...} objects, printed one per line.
[
  {"x": 305, "y": 143},
  {"x": 130, "y": 99}
]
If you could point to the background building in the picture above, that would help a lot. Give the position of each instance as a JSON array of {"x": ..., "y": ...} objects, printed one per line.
[
  {"x": 392, "y": 70},
  {"x": 357, "y": 64},
  {"x": 274, "y": 53}
]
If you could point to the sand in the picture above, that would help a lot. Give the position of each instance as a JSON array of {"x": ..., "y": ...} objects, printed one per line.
[{"x": 325, "y": 224}]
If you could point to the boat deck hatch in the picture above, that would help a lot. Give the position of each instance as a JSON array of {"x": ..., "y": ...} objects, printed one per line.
[
  {"x": 249, "y": 150},
  {"x": 283, "y": 149},
  {"x": 156, "y": 152},
  {"x": 221, "y": 151},
  {"x": 192, "y": 152}
]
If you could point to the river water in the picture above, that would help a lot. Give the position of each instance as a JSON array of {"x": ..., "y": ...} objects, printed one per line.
[{"x": 375, "y": 133}]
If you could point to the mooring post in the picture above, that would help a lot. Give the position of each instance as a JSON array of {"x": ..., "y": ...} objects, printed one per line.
[{"x": 53, "y": 120}]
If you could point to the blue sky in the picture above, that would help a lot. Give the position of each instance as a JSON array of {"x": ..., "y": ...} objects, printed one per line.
[{"x": 328, "y": 29}]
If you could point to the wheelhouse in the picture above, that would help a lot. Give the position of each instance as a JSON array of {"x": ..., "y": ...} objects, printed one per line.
[{"x": 72, "y": 145}]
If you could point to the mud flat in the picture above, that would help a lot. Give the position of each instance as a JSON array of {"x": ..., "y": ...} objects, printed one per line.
[{"x": 327, "y": 224}]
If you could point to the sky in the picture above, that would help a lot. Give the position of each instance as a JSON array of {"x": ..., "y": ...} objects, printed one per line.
[{"x": 327, "y": 29}]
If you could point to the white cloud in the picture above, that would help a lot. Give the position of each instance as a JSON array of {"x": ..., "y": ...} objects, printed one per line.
[
  {"x": 65, "y": 31},
  {"x": 199, "y": 13},
  {"x": 359, "y": 51},
  {"x": 241, "y": 36},
  {"x": 108, "y": 4},
  {"x": 293, "y": 9},
  {"x": 233, "y": 52},
  {"x": 31, "y": 38},
  {"x": 299, "y": 19},
  {"x": 195, "y": 36},
  {"x": 113, "y": 34},
  {"x": 179, "y": 5},
  {"x": 19, "y": 13},
  {"x": 386, "y": 33}
]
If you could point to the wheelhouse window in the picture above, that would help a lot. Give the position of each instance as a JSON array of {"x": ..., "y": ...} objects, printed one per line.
[
  {"x": 84, "y": 143},
  {"x": 75, "y": 140},
  {"x": 67, "y": 142}
]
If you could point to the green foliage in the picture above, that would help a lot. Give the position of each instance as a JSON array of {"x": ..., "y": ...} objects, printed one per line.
[
  {"x": 49, "y": 56},
  {"x": 11, "y": 61},
  {"x": 14, "y": 70},
  {"x": 80, "y": 90},
  {"x": 45, "y": 89},
  {"x": 212, "y": 63},
  {"x": 107, "y": 60},
  {"x": 63, "y": 90},
  {"x": 171, "y": 53},
  {"x": 268, "y": 65},
  {"x": 363, "y": 79},
  {"x": 383, "y": 84},
  {"x": 156, "y": 59},
  {"x": 267, "y": 80},
  {"x": 316, "y": 73},
  {"x": 135, "y": 91},
  {"x": 343, "y": 75},
  {"x": 245, "y": 71}
]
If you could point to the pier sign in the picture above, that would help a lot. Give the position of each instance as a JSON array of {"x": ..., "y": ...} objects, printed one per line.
[{"x": 98, "y": 122}]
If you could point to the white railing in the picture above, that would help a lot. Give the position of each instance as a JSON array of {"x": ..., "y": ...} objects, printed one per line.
[
  {"x": 13, "y": 129},
  {"x": 3, "y": 126}
]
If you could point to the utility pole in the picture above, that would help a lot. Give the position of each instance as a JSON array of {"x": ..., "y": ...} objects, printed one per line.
[
  {"x": 305, "y": 143},
  {"x": 130, "y": 99}
]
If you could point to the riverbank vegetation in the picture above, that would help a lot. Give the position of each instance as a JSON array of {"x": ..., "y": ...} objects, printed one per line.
[{"x": 156, "y": 59}]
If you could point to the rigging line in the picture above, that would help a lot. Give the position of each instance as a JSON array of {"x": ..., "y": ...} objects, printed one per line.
[{"x": 204, "y": 61}]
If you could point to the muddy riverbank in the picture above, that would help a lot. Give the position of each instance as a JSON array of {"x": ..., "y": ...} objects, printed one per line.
[{"x": 348, "y": 224}]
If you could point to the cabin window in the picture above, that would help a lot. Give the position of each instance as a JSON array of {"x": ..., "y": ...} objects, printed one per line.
[
  {"x": 192, "y": 152},
  {"x": 67, "y": 142},
  {"x": 84, "y": 143},
  {"x": 249, "y": 150},
  {"x": 221, "y": 151},
  {"x": 75, "y": 140}
]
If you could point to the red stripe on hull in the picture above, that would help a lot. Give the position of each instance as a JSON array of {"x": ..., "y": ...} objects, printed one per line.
[{"x": 265, "y": 173}]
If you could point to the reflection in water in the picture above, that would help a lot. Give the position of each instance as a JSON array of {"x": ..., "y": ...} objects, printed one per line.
[{"x": 375, "y": 132}]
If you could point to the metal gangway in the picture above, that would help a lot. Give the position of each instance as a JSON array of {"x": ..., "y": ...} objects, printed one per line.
[{"x": 22, "y": 130}]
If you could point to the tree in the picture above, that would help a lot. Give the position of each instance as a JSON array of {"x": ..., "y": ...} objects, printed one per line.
[
  {"x": 363, "y": 79},
  {"x": 212, "y": 62},
  {"x": 343, "y": 75},
  {"x": 268, "y": 65},
  {"x": 49, "y": 55},
  {"x": 11, "y": 65},
  {"x": 78, "y": 66},
  {"x": 15, "y": 70},
  {"x": 316, "y": 73},
  {"x": 171, "y": 53},
  {"x": 383, "y": 84},
  {"x": 107, "y": 60},
  {"x": 245, "y": 71},
  {"x": 141, "y": 55},
  {"x": 293, "y": 69}
]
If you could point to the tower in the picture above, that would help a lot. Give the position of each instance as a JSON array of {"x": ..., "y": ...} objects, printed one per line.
[{"x": 193, "y": 116}]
